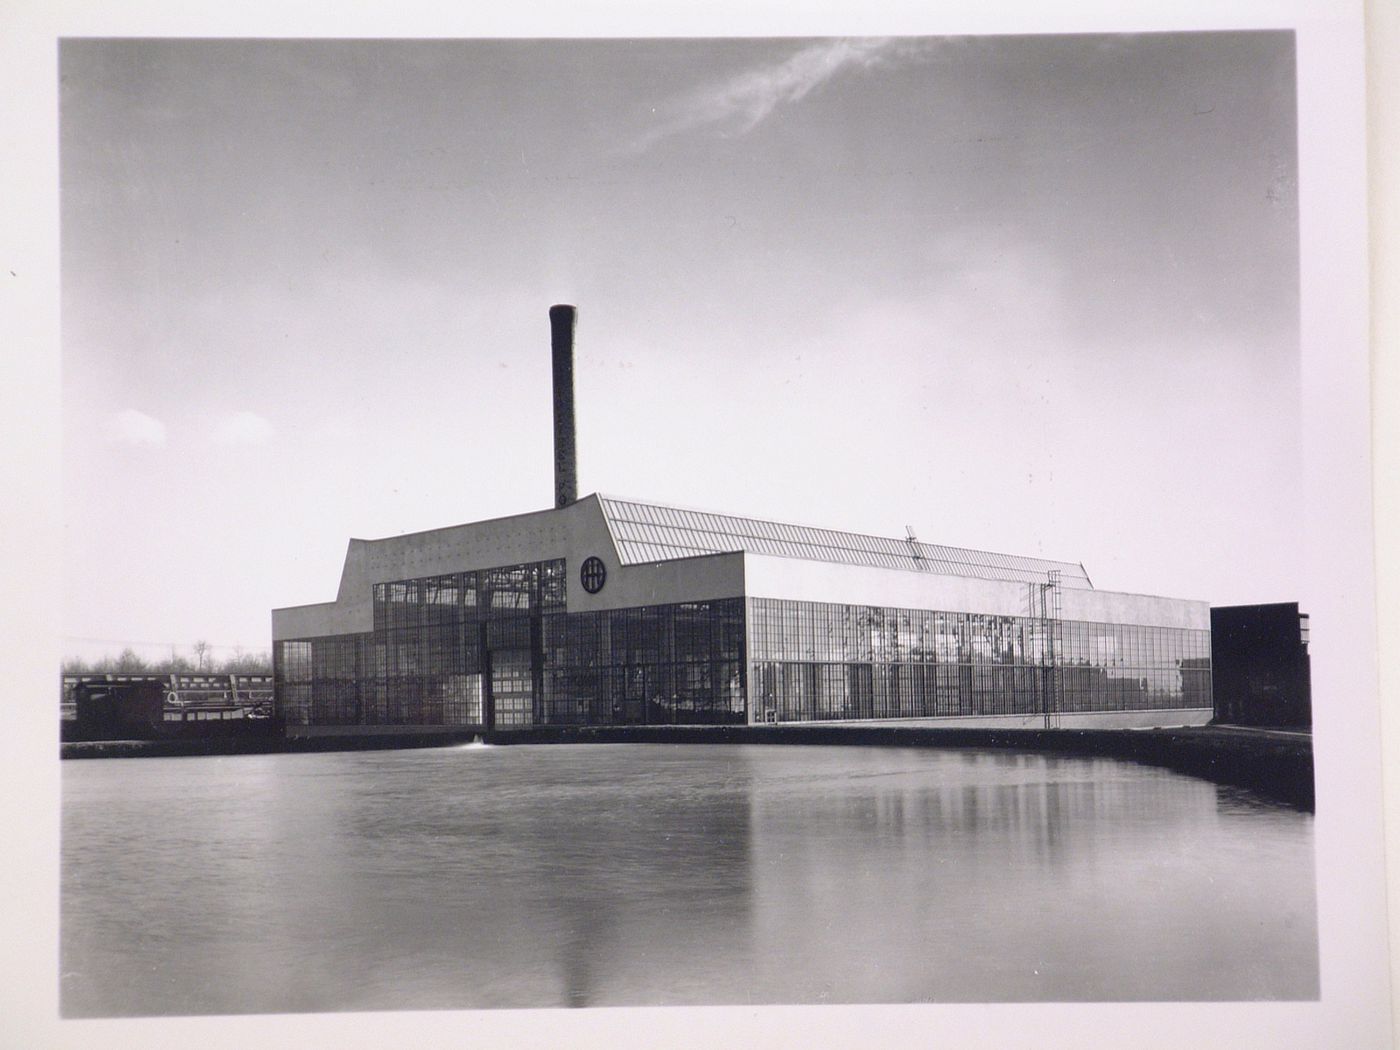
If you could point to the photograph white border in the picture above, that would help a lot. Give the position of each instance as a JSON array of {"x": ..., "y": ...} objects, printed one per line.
[{"x": 1337, "y": 588}]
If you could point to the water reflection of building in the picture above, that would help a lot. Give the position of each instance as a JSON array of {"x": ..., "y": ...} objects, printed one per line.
[
  {"x": 942, "y": 876},
  {"x": 615, "y": 611}
]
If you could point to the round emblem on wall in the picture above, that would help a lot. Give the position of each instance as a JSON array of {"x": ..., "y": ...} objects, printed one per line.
[{"x": 593, "y": 574}]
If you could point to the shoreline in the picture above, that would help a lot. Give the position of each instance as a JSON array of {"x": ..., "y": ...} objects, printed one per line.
[{"x": 1273, "y": 763}]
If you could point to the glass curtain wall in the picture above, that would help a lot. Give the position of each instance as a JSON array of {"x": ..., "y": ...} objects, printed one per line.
[
  {"x": 814, "y": 661},
  {"x": 439, "y": 646},
  {"x": 322, "y": 681},
  {"x": 497, "y": 648},
  {"x": 654, "y": 665}
]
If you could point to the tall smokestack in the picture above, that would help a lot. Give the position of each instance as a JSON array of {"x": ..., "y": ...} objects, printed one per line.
[{"x": 562, "y": 320}]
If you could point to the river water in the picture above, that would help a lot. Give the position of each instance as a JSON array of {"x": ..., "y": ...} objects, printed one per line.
[{"x": 641, "y": 874}]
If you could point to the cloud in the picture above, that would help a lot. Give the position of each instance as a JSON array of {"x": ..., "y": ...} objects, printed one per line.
[
  {"x": 243, "y": 428},
  {"x": 135, "y": 429},
  {"x": 742, "y": 102}
]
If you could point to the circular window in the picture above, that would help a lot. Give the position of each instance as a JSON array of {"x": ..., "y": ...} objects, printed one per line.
[{"x": 593, "y": 575}]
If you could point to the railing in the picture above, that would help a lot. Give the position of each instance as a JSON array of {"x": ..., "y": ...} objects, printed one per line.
[{"x": 188, "y": 697}]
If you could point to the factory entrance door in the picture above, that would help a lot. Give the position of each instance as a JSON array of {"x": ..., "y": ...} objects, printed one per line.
[
  {"x": 511, "y": 681},
  {"x": 509, "y": 641},
  {"x": 634, "y": 698}
]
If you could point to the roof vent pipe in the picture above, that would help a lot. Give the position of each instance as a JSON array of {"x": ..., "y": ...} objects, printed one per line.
[{"x": 562, "y": 321}]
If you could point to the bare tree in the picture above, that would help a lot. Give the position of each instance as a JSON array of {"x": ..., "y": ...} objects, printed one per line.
[
  {"x": 244, "y": 662},
  {"x": 201, "y": 650},
  {"x": 128, "y": 662}
]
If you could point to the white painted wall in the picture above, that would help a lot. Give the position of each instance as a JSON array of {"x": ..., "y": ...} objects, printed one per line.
[{"x": 797, "y": 580}]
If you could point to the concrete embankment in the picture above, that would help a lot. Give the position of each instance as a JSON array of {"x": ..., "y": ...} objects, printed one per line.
[
  {"x": 1275, "y": 764},
  {"x": 197, "y": 747}
]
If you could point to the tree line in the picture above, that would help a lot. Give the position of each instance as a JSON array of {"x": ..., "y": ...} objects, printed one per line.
[{"x": 128, "y": 661}]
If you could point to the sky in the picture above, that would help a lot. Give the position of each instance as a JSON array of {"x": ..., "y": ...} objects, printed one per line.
[{"x": 1027, "y": 294}]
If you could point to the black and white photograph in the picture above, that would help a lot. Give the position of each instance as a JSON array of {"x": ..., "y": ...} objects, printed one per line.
[{"x": 759, "y": 532}]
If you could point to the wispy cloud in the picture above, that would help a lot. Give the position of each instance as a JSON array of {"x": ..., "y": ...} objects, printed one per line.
[
  {"x": 243, "y": 428},
  {"x": 135, "y": 429},
  {"x": 739, "y": 104}
]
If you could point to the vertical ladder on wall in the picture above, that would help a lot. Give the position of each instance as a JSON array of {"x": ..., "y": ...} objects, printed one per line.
[
  {"x": 1051, "y": 612},
  {"x": 1043, "y": 612}
]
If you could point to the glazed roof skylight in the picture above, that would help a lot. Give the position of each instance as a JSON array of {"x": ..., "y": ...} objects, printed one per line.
[{"x": 649, "y": 532}]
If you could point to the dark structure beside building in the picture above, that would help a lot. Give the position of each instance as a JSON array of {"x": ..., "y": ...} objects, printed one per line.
[
  {"x": 166, "y": 706},
  {"x": 1259, "y": 660}
]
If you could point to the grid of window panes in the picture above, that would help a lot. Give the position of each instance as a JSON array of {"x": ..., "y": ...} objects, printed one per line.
[
  {"x": 645, "y": 532},
  {"x": 425, "y": 661},
  {"x": 655, "y": 665},
  {"x": 813, "y": 661},
  {"x": 322, "y": 681},
  {"x": 445, "y": 645}
]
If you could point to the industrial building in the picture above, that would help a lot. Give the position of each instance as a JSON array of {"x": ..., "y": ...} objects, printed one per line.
[{"x": 611, "y": 611}]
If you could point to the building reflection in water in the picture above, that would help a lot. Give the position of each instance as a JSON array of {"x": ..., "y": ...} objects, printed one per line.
[
  {"x": 997, "y": 876},
  {"x": 602, "y": 875},
  {"x": 575, "y": 877}
]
